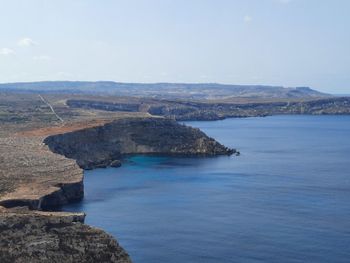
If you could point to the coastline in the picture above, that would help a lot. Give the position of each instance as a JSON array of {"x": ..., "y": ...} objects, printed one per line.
[{"x": 61, "y": 181}]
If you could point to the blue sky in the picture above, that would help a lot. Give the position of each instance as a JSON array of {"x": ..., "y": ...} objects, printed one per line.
[{"x": 273, "y": 42}]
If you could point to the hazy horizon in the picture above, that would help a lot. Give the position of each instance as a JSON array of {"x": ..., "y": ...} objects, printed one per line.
[{"x": 288, "y": 43}]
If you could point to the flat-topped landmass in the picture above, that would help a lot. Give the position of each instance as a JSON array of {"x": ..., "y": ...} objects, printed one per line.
[
  {"x": 193, "y": 91},
  {"x": 31, "y": 175}
]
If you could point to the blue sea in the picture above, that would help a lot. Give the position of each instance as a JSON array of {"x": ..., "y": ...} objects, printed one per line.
[{"x": 286, "y": 198}]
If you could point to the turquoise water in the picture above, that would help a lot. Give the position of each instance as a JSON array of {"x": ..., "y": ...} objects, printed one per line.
[{"x": 285, "y": 199}]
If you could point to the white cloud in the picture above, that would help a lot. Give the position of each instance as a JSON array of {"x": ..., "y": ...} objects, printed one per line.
[
  {"x": 26, "y": 42},
  {"x": 42, "y": 58},
  {"x": 247, "y": 19},
  {"x": 6, "y": 51}
]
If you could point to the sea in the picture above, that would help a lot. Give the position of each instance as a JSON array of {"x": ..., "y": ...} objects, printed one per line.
[{"x": 286, "y": 198}]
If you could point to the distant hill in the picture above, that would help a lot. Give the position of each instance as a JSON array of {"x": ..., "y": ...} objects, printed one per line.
[{"x": 207, "y": 91}]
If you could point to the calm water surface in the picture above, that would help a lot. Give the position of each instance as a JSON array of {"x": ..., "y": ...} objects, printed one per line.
[{"x": 285, "y": 199}]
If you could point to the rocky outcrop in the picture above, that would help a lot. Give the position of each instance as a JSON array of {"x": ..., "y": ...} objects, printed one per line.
[
  {"x": 116, "y": 163},
  {"x": 33, "y": 236},
  {"x": 100, "y": 146},
  {"x": 34, "y": 177}
]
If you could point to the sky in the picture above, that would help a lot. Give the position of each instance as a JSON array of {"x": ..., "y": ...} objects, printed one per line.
[{"x": 272, "y": 42}]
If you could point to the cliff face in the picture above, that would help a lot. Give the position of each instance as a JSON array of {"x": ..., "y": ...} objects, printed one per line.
[
  {"x": 33, "y": 236},
  {"x": 99, "y": 146},
  {"x": 32, "y": 176}
]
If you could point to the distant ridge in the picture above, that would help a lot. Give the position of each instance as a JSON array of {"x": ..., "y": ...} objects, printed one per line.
[{"x": 207, "y": 91}]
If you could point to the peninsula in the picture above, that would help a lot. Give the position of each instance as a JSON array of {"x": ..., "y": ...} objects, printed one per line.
[{"x": 42, "y": 161}]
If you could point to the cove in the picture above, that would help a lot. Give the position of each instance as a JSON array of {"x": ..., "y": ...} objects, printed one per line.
[{"x": 285, "y": 199}]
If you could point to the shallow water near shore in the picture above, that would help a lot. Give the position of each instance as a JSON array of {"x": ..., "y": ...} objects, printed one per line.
[{"x": 285, "y": 199}]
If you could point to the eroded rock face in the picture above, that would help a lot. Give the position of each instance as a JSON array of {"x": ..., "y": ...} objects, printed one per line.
[
  {"x": 100, "y": 146},
  {"x": 33, "y": 236},
  {"x": 33, "y": 176}
]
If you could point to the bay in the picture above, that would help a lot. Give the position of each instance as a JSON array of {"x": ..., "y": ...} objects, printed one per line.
[{"x": 286, "y": 198}]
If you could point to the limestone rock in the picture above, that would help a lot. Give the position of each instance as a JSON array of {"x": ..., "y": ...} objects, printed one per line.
[
  {"x": 33, "y": 236},
  {"x": 98, "y": 146}
]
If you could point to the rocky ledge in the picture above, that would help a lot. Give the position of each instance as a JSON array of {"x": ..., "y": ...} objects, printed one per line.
[
  {"x": 101, "y": 146},
  {"x": 34, "y": 236}
]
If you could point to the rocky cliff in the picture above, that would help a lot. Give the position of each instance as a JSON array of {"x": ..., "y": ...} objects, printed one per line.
[
  {"x": 34, "y": 236},
  {"x": 99, "y": 146},
  {"x": 39, "y": 177},
  {"x": 32, "y": 176}
]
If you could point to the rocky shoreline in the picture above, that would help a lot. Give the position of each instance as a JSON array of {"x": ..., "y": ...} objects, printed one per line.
[
  {"x": 42, "y": 172},
  {"x": 104, "y": 145}
]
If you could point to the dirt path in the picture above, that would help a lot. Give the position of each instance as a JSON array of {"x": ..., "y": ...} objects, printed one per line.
[{"x": 52, "y": 109}]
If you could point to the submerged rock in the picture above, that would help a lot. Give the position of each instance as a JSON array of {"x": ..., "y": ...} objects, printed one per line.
[{"x": 116, "y": 163}]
